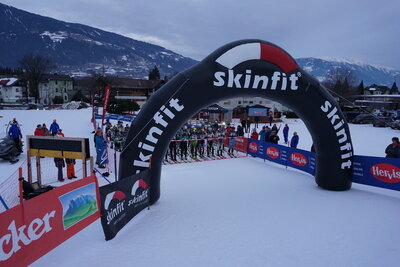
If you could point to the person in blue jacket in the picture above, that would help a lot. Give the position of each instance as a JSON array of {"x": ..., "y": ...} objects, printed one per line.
[
  {"x": 100, "y": 147},
  {"x": 262, "y": 133},
  {"x": 295, "y": 140},
  {"x": 14, "y": 132},
  {"x": 286, "y": 133},
  {"x": 54, "y": 128}
]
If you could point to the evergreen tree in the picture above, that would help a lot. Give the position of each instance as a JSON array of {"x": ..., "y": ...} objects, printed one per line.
[
  {"x": 154, "y": 74},
  {"x": 394, "y": 89},
  {"x": 361, "y": 88}
]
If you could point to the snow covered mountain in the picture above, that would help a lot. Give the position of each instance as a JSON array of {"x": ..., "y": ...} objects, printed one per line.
[
  {"x": 370, "y": 74},
  {"x": 78, "y": 49}
]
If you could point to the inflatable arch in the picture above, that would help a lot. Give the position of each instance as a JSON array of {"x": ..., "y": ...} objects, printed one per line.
[{"x": 241, "y": 68}]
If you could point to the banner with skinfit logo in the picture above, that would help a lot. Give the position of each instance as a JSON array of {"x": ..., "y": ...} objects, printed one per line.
[
  {"x": 29, "y": 231},
  {"x": 121, "y": 201},
  {"x": 288, "y": 156},
  {"x": 375, "y": 171}
]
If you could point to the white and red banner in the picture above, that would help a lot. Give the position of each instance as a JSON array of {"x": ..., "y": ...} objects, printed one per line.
[{"x": 30, "y": 230}]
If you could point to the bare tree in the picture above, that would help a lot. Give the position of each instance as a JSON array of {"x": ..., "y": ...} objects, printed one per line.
[
  {"x": 34, "y": 67},
  {"x": 341, "y": 82}
]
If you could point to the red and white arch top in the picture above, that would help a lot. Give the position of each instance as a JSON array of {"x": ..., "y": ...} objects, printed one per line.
[{"x": 257, "y": 51}]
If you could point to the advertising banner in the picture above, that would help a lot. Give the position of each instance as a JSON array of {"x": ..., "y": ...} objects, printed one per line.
[
  {"x": 291, "y": 157},
  {"x": 115, "y": 117},
  {"x": 258, "y": 112},
  {"x": 376, "y": 171},
  {"x": 30, "y": 230},
  {"x": 121, "y": 201}
]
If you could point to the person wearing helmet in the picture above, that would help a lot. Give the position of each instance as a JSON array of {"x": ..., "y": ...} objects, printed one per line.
[
  {"x": 210, "y": 142},
  {"x": 232, "y": 135}
]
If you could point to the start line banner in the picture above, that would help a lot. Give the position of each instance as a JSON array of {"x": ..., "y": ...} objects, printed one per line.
[
  {"x": 288, "y": 156},
  {"x": 114, "y": 117}
]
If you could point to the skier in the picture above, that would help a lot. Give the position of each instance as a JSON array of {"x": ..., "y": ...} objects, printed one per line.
[
  {"x": 100, "y": 145},
  {"x": 210, "y": 142},
  {"x": 286, "y": 133},
  {"x": 172, "y": 148},
  {"x": 201, "y": 142},
  {"x": 54, "y": 128},
  {"x": 183, "y": 145},
  {"x": 295, "y": 140},
  {"x": 220, "y": 141},
  {"x": 15, "y": 133},
  {"x": 232, "y": 136},
  {"x": 193, "y": 143}
]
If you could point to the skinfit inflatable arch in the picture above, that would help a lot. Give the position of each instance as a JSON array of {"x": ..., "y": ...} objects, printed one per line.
[{"x": 241, "y": 68}]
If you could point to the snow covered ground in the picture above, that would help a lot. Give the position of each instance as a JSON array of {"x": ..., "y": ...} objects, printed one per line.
[{"x": 239, "y": 212}]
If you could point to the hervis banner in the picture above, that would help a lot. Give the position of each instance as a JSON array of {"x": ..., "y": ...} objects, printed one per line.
[
  {"x": 375, "y": 171},
  {"x": 288, "y": 156},
  {"x": 121, "y": 201},
  {"x": 30, "y": 230}
]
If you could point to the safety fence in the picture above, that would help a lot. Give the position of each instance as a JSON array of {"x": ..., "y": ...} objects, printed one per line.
[{"x": 374, "y": 171}]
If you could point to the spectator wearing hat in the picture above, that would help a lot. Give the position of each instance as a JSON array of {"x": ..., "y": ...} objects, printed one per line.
[
  {"x": 54, "y": 128},
  {"x": 393, "y": 149},
  {"x": 39, "y": 130}
]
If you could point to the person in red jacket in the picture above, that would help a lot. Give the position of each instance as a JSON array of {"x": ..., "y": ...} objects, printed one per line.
[
  {"x": 39, "y": 130},
  {"x": 254, "y": 134}
]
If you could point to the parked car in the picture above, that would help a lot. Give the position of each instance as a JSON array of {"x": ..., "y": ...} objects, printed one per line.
[
  {"x": 395, "y": 125},
  {"x": 364, "y": 119},
  {"x": 382, "y": 121},
  {"x": 350, "y": 115}
]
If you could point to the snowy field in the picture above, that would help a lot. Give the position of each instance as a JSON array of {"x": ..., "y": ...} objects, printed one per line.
[{"x": 239, "y": 212}]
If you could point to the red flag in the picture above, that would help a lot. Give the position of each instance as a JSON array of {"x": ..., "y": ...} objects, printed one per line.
[{"x": 106, "y": 98}]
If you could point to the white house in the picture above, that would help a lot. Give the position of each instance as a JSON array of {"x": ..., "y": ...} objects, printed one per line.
[{"x": 11, "y": 90}]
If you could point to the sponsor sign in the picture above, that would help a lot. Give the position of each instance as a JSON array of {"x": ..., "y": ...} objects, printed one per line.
[
  {"x": 253, "y": 147},
  {"x": 272, "y": 152},
  {"x": 292, "y": 157},
  {"x": 298, "y": 159},
  {"x": 121, "y": 201},
  {"x": 258, "y": 112},
  {"x": 115, "y": 117},
  {"x": 31, "y": 230},
  {"x": 375, "y": 171}
]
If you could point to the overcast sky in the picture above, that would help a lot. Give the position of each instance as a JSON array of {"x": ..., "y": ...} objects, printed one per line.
[{"x": 367, "y": 30}]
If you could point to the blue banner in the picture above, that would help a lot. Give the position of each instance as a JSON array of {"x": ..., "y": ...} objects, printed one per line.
[
  {"x": 115, "y": 117},
  {"x": 292, "y": 157},
  {"x": 375, "y": 171},
  {"x": 258, "y": 112}
]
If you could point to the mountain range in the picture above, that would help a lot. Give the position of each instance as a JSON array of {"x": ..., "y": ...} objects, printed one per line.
[{"x": 80, "y": 50}]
